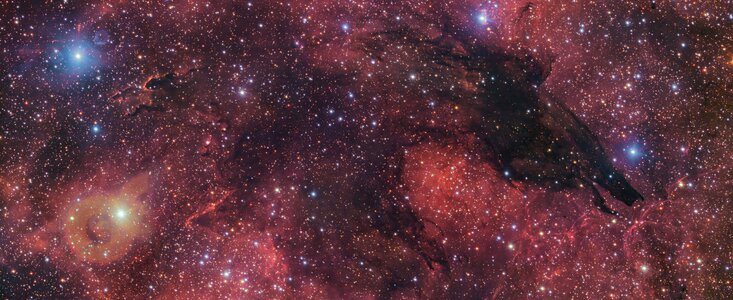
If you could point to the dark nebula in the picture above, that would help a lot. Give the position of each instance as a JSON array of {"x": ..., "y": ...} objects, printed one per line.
[{"x": 366, "y": 150}]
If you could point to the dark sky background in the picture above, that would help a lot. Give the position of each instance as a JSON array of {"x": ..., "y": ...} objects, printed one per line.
[{"x": 366, "y": 149}]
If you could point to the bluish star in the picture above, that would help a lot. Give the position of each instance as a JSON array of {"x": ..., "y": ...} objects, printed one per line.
[{"x": 634, "y": 152}]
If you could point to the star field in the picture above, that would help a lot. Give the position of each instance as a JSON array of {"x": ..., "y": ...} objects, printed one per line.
[{"x": 366, "y": 149}]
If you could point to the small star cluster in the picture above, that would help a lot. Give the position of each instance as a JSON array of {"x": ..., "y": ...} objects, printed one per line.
[{"x": 366, "y": 149}]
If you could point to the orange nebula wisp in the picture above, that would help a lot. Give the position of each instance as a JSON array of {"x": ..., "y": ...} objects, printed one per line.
[{"x": 103, "y": 227}]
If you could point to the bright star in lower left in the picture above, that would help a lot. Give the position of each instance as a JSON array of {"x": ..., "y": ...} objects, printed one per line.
[{"x": 121, "y": 213}]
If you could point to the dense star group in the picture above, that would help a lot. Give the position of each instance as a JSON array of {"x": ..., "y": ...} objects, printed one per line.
[{"x": 366, "y": 149}]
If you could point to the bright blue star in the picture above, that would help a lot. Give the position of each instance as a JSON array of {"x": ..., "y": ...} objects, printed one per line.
[
  {"x": 77, "y": 57},
  {"x": 634, "y": 152},
  {"x": 483, "y": 17}
]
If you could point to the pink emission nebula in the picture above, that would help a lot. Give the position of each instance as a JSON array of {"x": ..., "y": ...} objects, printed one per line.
[{"x": 180, "y": 149}]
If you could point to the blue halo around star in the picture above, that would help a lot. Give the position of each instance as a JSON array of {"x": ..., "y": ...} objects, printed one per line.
[{"x": 75, "y": 57}]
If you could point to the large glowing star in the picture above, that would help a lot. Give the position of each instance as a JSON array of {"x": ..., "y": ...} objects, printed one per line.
[{"x": 103, "y": 227}]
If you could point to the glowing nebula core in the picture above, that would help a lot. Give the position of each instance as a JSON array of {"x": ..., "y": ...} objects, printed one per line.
[{"x": 102, "y": 228}]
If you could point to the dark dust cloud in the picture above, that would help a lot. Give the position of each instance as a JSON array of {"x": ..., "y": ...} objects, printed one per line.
[{"x": 366, "y": 149}]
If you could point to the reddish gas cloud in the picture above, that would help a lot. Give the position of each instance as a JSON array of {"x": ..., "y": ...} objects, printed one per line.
[{"x": 366, "y": 150}]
